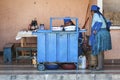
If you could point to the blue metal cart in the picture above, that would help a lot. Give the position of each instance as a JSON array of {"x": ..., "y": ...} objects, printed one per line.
[{"x": 57, "y": 46}]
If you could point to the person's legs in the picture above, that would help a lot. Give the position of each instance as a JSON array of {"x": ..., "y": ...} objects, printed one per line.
[{"x": 100, "y": 61}]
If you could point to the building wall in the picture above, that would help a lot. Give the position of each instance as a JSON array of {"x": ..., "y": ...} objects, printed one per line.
[
  {"x": 114, "y": 53},
  {"x": 16, "y": 15},
  {"x": 111, "y": 12}
]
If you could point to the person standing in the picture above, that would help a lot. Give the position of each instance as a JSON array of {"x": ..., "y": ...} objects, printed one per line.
[{"x": 100, "y": 39}]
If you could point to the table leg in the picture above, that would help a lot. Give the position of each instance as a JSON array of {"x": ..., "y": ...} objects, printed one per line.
[{"x": 23, "y": 44}]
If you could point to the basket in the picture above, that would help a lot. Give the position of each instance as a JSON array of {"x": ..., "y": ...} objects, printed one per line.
[
  {"x": 68, "y": 66},
  {"x": 51, "y": 66}
]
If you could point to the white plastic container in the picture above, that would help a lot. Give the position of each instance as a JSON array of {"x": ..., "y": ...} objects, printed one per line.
[
  {"x": 70, "y": 28},
  {"x": 82, "y": 62},
  {"x": 57, "y": 28}
]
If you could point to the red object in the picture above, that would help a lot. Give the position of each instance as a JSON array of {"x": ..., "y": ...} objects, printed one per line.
[{"x": 68, "y": 66}]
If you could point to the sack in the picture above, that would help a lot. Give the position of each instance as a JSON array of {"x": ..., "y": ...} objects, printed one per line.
[{"x": 108, "y": 23}]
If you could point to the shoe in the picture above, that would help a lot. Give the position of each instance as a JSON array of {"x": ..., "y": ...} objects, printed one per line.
[{"x": 92, "y": 68}]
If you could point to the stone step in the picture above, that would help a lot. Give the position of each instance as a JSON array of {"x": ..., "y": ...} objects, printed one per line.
[
  {"x": 61, "y": 77},
  {"x": 28, "y": 72}
]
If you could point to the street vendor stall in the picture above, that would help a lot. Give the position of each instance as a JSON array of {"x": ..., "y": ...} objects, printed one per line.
[{"x": 56, "y": 45}]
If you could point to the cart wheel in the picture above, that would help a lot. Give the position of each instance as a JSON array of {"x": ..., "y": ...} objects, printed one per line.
[{"x": 41, "y": 67}]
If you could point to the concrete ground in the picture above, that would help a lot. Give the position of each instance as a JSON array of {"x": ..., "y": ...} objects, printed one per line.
[
  {"x": 24, "y": 70},
  {"x": 29, "y": 69},
  {"x": 28, "y": 72},
  {"x": 25, "y": 67}
]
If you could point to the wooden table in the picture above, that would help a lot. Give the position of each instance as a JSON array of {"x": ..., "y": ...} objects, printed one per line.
[
  {"x": 23, "y": 35},
  {"x": 24, "y": 46}
]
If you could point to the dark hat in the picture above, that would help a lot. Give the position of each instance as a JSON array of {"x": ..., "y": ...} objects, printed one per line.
[
  {"x": 95, "y": 8},
  {"x": 67, "y": 19}
]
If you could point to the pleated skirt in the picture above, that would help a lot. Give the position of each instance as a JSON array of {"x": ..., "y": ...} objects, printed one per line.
[{"x": 103, "y": 42}]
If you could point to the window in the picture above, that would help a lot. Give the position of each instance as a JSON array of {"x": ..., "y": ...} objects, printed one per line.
[{"x": 111, "y": 10}]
